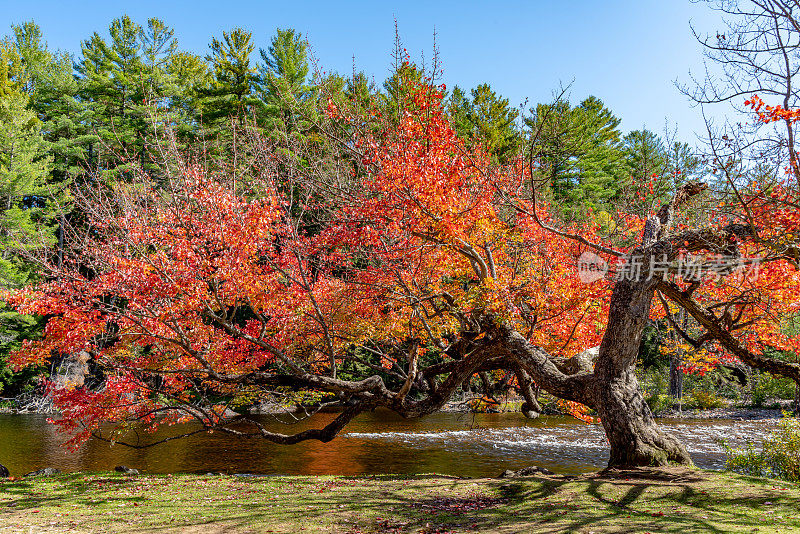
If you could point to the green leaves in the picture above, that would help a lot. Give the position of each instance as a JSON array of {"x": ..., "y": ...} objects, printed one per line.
[{"x": 486, "y": 119}]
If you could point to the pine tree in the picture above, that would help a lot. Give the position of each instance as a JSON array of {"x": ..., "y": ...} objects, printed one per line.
[
  {"x": 282, "y": 85},
  {"x": 192, "y": 78},
  {"x": 459, "y": 109},
  {"x": 129, "y": 89},
  {"x": 601, "y": 164},
  {"x": 395, "y": 95},
  {"x": 26, "y": 201},
  {"x": 645, "y": 155},
  {"x": 110, "y": 73},
  {"x": 231, "y": 93},
  {"x": 52, "y": 89},
  {"x": 494, "y": 123},
  {"x": 580, "y": 153},
  {"x": 32, "y": 82}
]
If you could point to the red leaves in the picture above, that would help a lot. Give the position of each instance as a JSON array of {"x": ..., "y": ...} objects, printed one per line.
[
  {"x": 771, "y": 113},
  {"x": 207, "y": 282}
]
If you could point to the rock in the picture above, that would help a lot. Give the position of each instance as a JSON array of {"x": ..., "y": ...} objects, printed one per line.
[
  {"x": 46, "y": 472},
  {"x": 227, "y": 414},
  {"x": 528, "y": 411},
  {"x": 73, "y": 370},
  {"x": 4, "y": 471},
  {"x": 534, "y": 470},
  {"x": 126, "y": 470},
  {"x": 526, "y": 472},
  {"x": 273, "y": 408}
]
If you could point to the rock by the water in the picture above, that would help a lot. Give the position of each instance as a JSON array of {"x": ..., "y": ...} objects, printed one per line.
[
  {"x": 526, "y": 472},
  {"x": 126, "y": 470},
  {"x": 528, "y": 410},
  {"x": 46, "y": 472},
  {"x": 4, "y": 471}
]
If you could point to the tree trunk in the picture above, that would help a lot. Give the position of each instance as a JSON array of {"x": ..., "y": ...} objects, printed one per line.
[
  {"x": 676, "y": 359},
  {"x": 675, "y": 376},
  {"x": 632, "y": 433},
  {"x": 530, "y": 408}
]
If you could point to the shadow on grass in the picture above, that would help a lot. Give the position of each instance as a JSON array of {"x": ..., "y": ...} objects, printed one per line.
[
  {"x": 392, "y": 503},
  {"x": 39, "y": 492}
]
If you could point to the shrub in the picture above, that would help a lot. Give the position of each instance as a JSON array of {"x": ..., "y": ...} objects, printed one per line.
[
  {"x": 764, "y": 386},
  {"x": 658, "y": 403},
  {"x": 653, "y": 381},
  {"x": 779, "y": 457},
  {"x": 705, "y": 400}
]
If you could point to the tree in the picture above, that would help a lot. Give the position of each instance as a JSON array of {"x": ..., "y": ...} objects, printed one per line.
[
  {"x": 231, "y": 92},
  {"x": 129, "y": 90},
  {"x": 24, "y": 171},
  {"x": 191, "y": 72},
  {"x": 755, "y": 52},
  {"x": 29, "y": 206},
  {"x": 283, "y": 88},
  {"x": 752, "y": 56},
  {"x": 198, "y": 296},
  {"x": 645, "y": 154},
  {"x": 47, "y": 78},
  {"x": 579, "y": 153},
  {"x": 486, "y": 119}
]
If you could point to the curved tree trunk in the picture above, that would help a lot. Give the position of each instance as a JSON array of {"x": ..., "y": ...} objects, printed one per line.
[{"x": 632, "y": 433}]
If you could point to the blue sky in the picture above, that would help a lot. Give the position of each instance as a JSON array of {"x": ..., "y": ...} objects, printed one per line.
[{"x": 628, "y": 53}]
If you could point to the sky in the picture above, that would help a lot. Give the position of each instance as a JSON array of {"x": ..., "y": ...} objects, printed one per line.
[{"x": 627, "y": 53}]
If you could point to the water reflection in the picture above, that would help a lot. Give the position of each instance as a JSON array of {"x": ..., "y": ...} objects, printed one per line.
[{"x": 375, "y": 443}]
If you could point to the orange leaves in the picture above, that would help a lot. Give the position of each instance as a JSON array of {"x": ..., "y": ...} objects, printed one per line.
[
  {"x": 576, "y": 410},
  {"x": 767, "y": 114},
  {"x": 199, "y": 284}
]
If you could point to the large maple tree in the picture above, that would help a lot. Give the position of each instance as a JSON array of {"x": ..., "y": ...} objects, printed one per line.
[{"x": 426, "y": 264}]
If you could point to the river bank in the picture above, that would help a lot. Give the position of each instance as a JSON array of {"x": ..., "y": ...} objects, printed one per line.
[
  {"x": 469, "y": 405},
  {"x": 733, "y": 413},
  {"x": 673, "y": 500}
]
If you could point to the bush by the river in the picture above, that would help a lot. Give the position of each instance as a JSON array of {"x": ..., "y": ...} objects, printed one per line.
[
  {"x": 715, "y": 389},
  {"x": 779, "y": 456},
  {"x": 765, "y": 387}
]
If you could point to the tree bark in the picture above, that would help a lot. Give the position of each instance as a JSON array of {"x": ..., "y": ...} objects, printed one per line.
[
  {"x": 632, "y": 433},
  {"x": 675, "y": 361},
  {"x": 530, "y": 408}
]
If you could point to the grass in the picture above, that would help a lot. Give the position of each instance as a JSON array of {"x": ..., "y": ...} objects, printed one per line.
[{"x": 675, "y": 500}]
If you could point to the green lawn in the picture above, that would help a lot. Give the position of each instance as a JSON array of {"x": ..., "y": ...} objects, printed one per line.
[{"x": 644, "y": 501}]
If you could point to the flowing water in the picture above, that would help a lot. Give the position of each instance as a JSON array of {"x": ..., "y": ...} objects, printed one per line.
[{"x": 476, "y": 445}]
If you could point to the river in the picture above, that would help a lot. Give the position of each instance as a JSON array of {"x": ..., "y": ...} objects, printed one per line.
[{"x": 475, "y": 445}]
